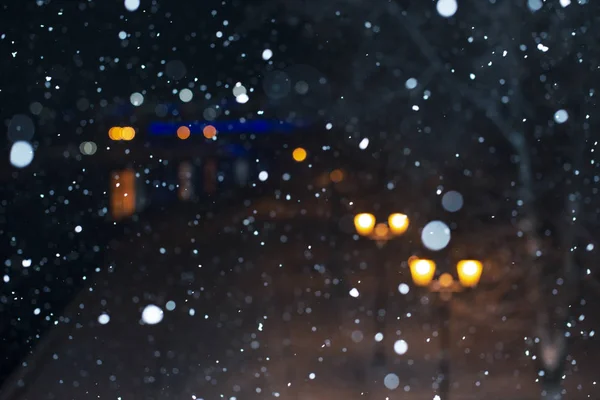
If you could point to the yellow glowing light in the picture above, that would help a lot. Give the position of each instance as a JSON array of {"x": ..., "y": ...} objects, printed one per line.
[
  {"x": 299, "y": 154},
  {"x": 446, "y": 280},
  {"x": 469, "y": 272},
  {"x": 422, "y": 271},
  {"x": 209, "y": 131},
  {"x": 398, "y": 223},
  {"x": 115, "y": 133},
  {"x": 183, "y": 132},
  {"x": 127, "y": 133},
  {"x": 381, "y": 230},
  {"x": 336, "y": 176},
  {"x": 364, "y": 223}
]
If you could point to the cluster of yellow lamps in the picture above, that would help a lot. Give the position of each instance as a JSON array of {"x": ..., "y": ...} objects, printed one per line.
[
  {"x": 121, "y": 133},
  {"x": 422, "y": 270}
]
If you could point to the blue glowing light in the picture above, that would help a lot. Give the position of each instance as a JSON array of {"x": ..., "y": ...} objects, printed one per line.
[{"x": 223, "y": 127}]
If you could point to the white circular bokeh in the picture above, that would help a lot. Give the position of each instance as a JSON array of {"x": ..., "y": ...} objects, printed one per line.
[
  {"x": 104, "y": 318},
  {"x": 186, "y": 95},
  {"x": 400, "y": 347},
  {"x": 152, "y": 314},
  {"x": 136, "y": 99},
  {"x": 435, "y": 235},
  {"x": 561, "y": 116},
  {"x": 21, "y": 154},
  {"x": 391, "y": 381},
  {"x": 403, "y": 288},
  {"x": 447, "y": 8},
  {"x": 132, "y": 5},
  {"x": 452, "y": 201},
  {"x": 267, "y": 54}
]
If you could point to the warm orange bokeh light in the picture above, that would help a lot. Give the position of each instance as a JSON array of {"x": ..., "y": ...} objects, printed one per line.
[
  {"x": 398, "y": 223},
  {"x": 336, "y": 176},
  {"x": 122, "y": 194},
  {"x": 422, "y": 271},
  {"x": 364, "y": 223},
  {"x": 469, "y": 272},
  {"x": 183, "y": 132},
  {"x": 209, "y": 131},
  {"x": 127, "y": 133},
  {"x": 446, "y": 280},
  {"x": 299, "y": 154},
  {"x": 381, "y": 230},
  {"x": 115, "y": 133}
]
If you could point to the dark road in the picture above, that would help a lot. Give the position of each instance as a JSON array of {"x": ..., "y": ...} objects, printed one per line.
[{"x": 253, "y": 303}]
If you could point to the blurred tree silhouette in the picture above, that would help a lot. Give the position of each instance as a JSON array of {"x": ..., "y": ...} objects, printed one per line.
[{"x": 511, "y": 85}]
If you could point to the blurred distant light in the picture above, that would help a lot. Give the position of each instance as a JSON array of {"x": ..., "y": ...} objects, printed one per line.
[
  {"x": 183, "y": 132},
  {"x": 561, "y": 116},
  {"x": 136, "y": 99},
  {"x": 267, "y": 54},
  {"x": 435, "y": 235},
  {"x": 122, "y": 35},
  {"x": 378, "y": 337},
  {"x": 398, "y": 223},
  {"x": 363, "y": 144},
  {"x": 452, "y": 201},
  {"x": 127, "y": 133},
  {"x": 534, "y": 5},
  {"x": 132, "y": 5},
  {"x": 175, "y": 69},
  {"x": 115, "y": 133},
  {"x": 411, "y": 83},
  {"x": 242, "y": 98},
  {"x": 103, "y": 319},
  {"x": 263, "y": 176},
  {"x": 336, "y": 176},
  {"x": 152, "y": 314},
  {"x": 20, "y": 127},
  {"x": 209, "y": 131},
  {"x": 565, "y": 3},
  {"x": 354, "y": 292},
  {"x": 447, "y": 8},
  {"x": 403, "y": 288},
  {"x": 186, "y": 95},
  {"x": 36, "y": 108},
  {"x": 21, "y": 154},
  {"x": 299, "y": 154},
  {"x": 590, "y": 247},
  {"x": 400, "y": 347},
  {"x": 239, "y": 89},
  {"x": 391, "y": 381},
  {"x": 88, "y": 148}
]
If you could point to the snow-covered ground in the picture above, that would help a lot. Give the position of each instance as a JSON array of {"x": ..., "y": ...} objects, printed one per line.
[{"x": 257, "y": 316}]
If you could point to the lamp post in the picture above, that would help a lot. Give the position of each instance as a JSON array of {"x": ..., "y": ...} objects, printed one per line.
[
  {"x": 422, "y": 272},
  {"x": 366, "y": 225}
]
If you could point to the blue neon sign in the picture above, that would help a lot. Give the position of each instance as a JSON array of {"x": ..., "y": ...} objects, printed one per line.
[{"x": 223, "y": 127}]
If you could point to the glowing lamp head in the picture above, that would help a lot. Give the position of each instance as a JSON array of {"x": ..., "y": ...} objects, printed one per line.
[
  {"x": 422, "y": 271},
  {"x": 398, "y": 223},
  {"x": 299, "y": 154},
  {"x": 364, "y": 223},
  {"x": 115, "y": 133},
  {"x": 127, "y": 133},
  {"x": 469, "y": 272}
]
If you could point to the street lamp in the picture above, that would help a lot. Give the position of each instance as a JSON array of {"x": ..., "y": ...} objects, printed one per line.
[
  {"x": 366, "y": 225},
  {"x": 469, "y": 274}
]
